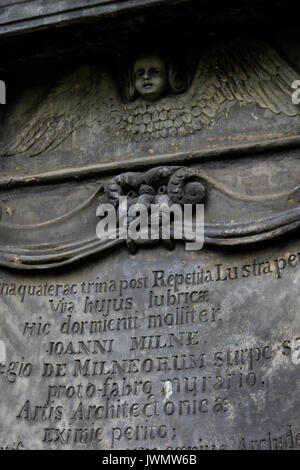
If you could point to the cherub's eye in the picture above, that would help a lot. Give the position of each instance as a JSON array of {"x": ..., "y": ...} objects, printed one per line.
[
  {"x": 140, "y": 73},
  {"x": 155, "y": 71}
]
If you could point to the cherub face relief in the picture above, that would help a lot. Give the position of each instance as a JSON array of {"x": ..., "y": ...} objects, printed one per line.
[{"x": 150, "y": 74}]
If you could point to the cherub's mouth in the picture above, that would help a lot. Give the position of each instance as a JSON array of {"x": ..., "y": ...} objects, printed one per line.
[{"x": 147, "y": 85}]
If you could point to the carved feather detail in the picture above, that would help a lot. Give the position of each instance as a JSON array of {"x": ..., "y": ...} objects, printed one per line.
[
  {"x": 65, "y": 108},
  {"x": 244, "y": 72}
]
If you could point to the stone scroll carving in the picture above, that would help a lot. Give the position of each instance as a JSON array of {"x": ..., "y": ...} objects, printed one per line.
[{"x": 71, "y": 236}]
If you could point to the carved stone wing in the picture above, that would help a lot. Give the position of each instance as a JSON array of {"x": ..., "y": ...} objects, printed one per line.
[
  {"x": 69, "y": 104},
  {"x": 247, "y": 72},
  {"x": 239, "y": 72}
]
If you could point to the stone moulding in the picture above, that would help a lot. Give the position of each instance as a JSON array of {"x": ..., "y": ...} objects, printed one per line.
[
  {"x": 30, "y": 15},
  {"x": 101, "y": 169},
  {"x": 60, "y": 241}
]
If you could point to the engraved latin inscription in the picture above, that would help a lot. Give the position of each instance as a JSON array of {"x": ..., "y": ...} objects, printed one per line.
[{"x": 118, "y": 363}]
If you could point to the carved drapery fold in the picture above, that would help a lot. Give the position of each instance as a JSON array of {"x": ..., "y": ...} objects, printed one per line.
[{"x": 61, "y": 241}]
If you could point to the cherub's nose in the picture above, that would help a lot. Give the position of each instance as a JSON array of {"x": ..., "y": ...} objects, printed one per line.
[{"x": 146, "y": 74}]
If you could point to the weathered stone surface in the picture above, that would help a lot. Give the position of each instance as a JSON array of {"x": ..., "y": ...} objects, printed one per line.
[
  {"x": 24, "y": 16},
  {"x": 123, "y": 344},
  {"x": 161, "y": 350},
  {"x": 186, "y": 349},
  {"x": 207, "y": 113}
]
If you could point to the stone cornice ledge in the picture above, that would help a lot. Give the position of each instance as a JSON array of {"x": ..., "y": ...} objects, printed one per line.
[{"x": 22, "y": 16}]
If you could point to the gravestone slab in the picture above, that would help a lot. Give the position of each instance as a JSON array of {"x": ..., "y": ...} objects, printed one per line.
[
  {"x": 117, "y": 343},
  {"x": 158, "y": 349}
]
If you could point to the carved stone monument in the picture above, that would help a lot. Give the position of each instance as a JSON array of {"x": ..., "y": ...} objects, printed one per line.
[{"x": 135, "y": 344}]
